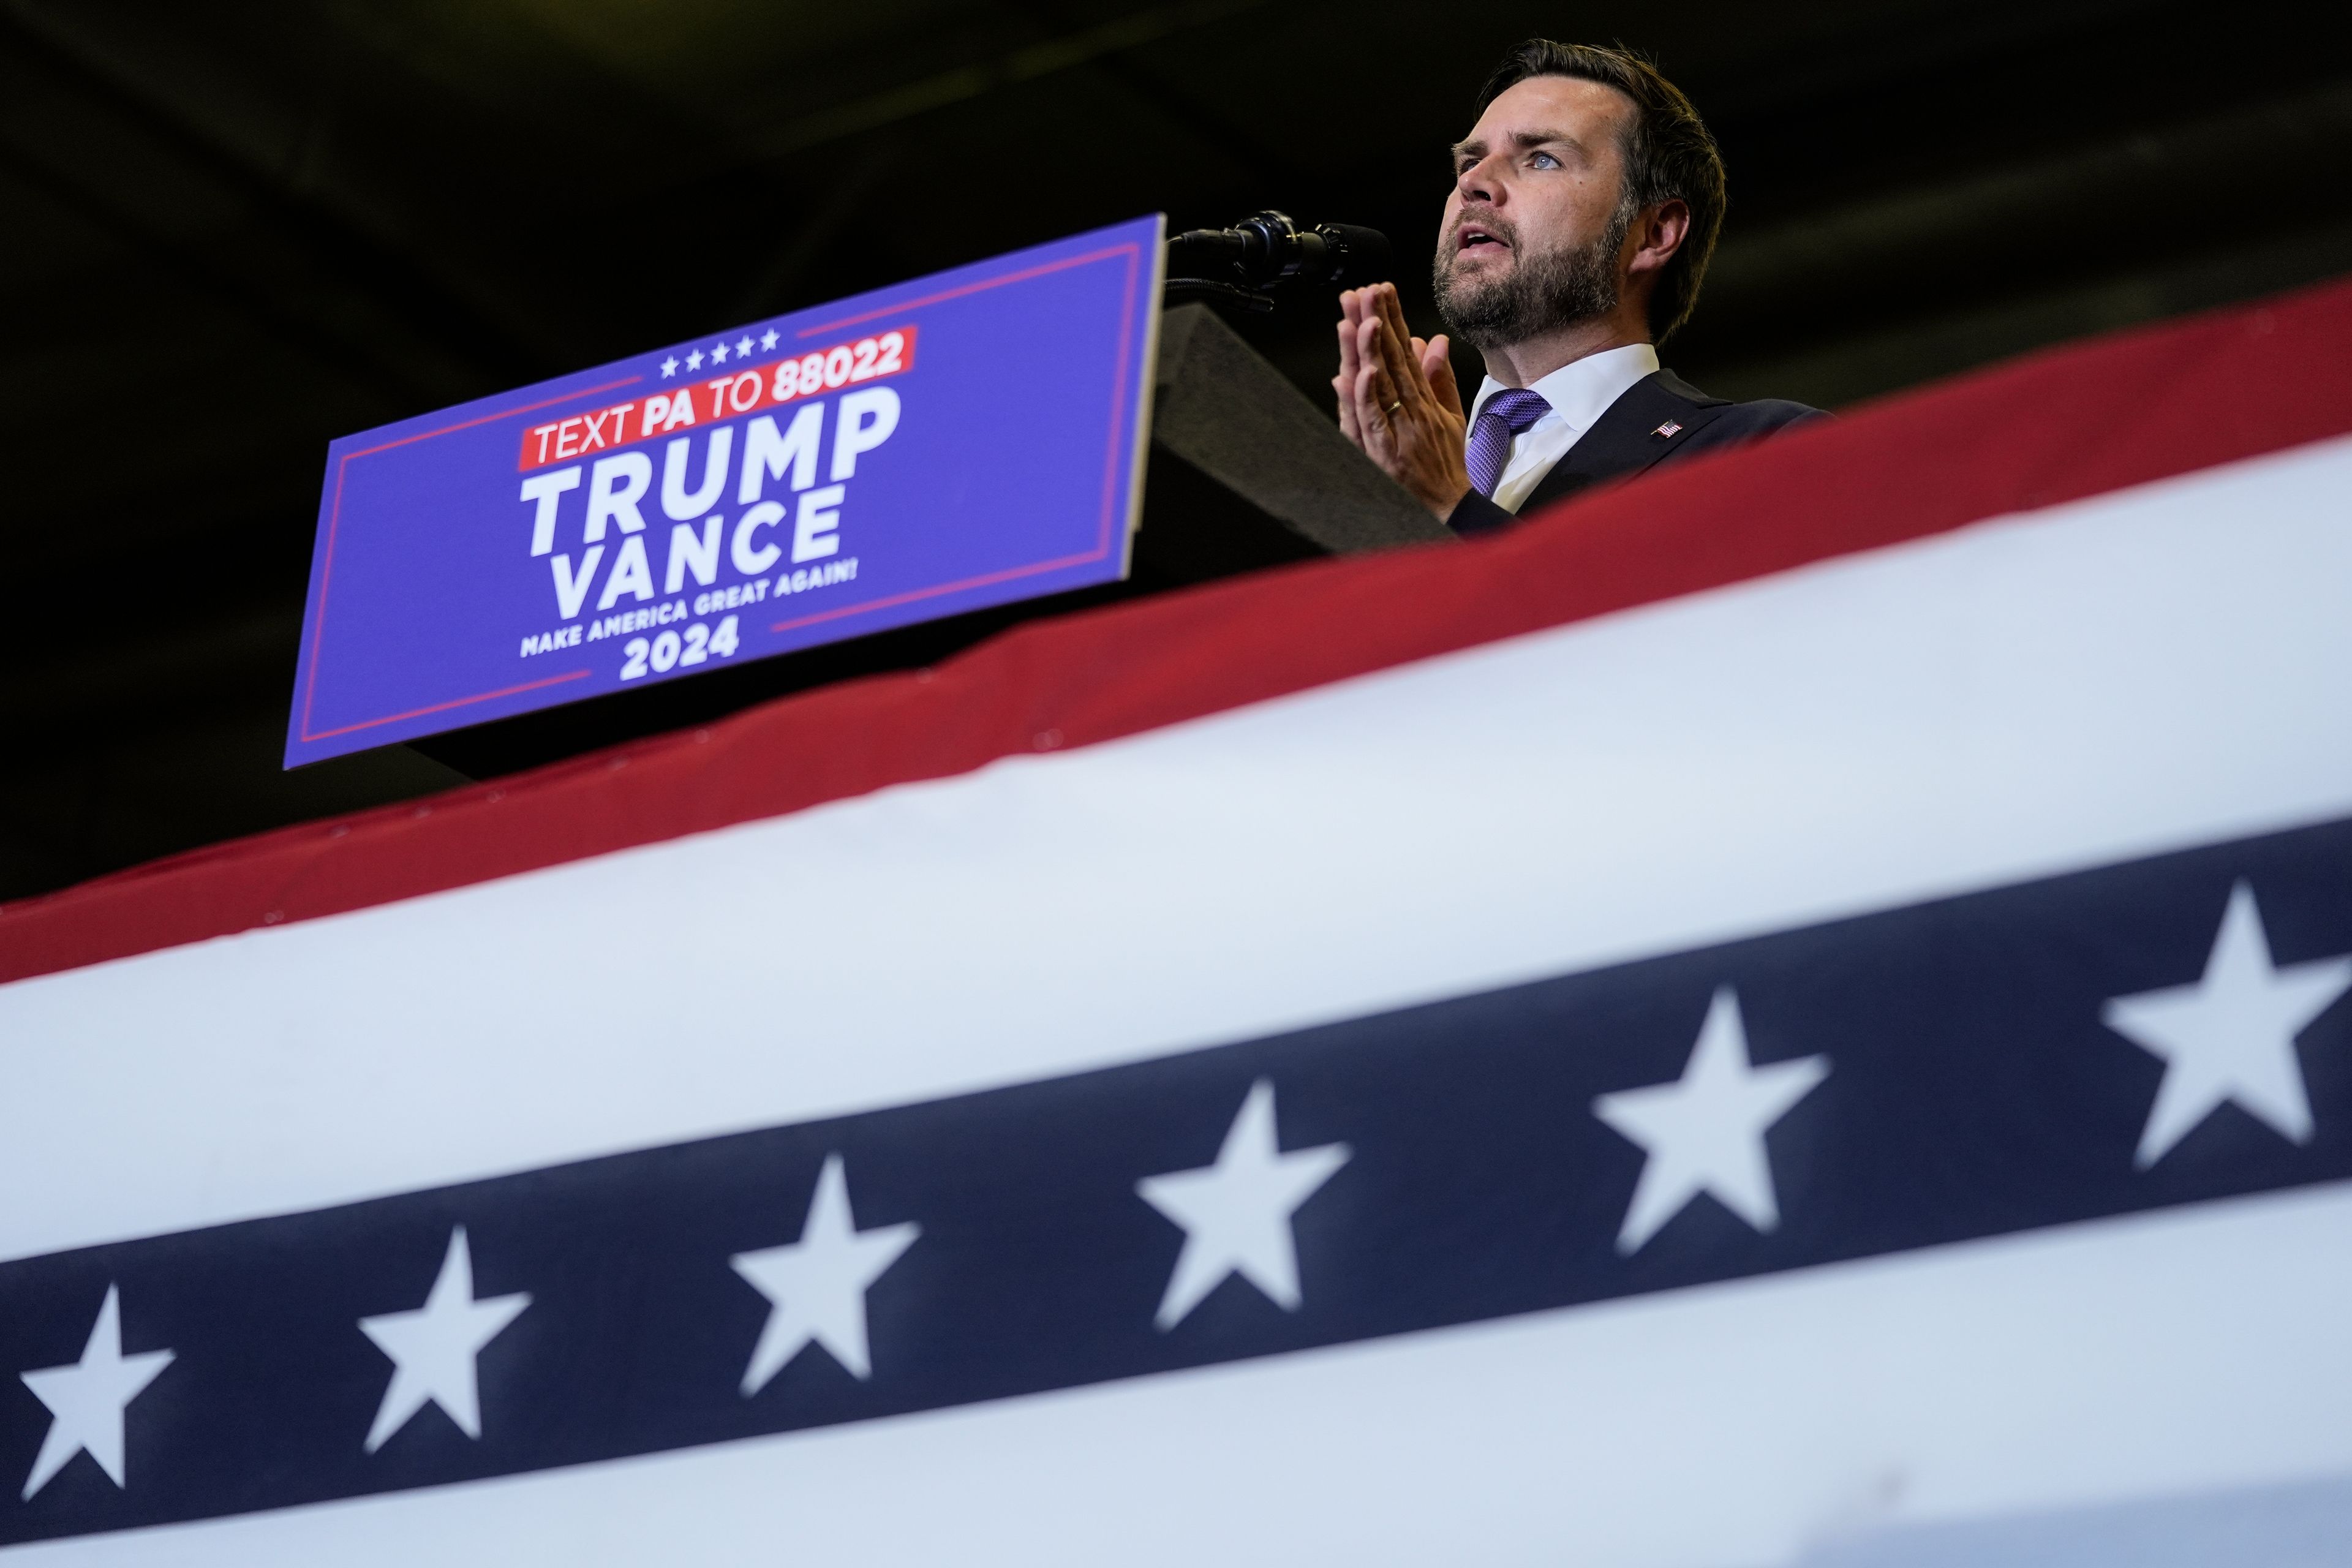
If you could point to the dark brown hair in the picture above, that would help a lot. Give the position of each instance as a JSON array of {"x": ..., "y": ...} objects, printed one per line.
[{"x": 1669, "y": 155}]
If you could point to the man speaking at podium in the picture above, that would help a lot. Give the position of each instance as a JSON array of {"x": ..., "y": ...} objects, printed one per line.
[{"x": 1586, "y": 202}]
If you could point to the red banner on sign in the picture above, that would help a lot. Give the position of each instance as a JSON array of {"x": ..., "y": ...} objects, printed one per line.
[{"x": 694, "y": 403}]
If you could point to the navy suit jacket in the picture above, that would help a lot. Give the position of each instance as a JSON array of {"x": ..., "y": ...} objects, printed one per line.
[{"x": 1633, "y": 434}]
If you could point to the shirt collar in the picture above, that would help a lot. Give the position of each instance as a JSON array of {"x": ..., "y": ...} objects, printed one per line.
[{"x": 1582, "y": 390}]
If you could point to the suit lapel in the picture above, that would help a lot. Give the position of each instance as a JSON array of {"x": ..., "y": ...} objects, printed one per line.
[{"x": 1625, "y": 440}]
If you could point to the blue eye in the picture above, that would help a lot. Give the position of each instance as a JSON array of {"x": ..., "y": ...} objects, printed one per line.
[{"x": 1545, "y": 161}]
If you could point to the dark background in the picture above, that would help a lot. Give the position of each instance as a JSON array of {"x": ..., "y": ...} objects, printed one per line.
[{"x": 229, "y": 232}]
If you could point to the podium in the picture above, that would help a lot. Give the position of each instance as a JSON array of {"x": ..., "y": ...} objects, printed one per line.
[{"x": 1245, "y": 473}]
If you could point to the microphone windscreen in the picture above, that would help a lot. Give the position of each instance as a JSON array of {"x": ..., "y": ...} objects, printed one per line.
[{"x": 1363, "y": 252}]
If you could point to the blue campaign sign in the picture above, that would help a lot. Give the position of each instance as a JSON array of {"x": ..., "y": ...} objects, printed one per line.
[{"x": 958, "y": 441}]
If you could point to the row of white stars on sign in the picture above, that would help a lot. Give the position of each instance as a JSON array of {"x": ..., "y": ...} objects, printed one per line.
[
  {"x": 741, "y": 348},
  {"x": 2228, "y": 1037}
]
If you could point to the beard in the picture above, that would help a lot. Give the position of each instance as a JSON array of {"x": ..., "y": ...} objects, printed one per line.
[{"x": 1543, "y": 291}]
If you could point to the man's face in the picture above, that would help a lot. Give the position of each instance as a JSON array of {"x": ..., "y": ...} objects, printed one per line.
[{"x": 1535, "y": 222}]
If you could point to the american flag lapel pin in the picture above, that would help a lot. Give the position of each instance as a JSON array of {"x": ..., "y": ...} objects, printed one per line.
[{"x": 1668, "y": 430}]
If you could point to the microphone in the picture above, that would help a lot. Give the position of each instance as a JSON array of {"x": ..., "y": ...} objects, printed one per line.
[{"x": 1266, "y": 249}]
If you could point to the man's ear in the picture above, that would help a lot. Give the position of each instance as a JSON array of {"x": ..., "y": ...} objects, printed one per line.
[{"x": 1655, "y": 235}]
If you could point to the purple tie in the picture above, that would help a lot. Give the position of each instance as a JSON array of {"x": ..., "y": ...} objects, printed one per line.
[{"x": 1507, "y": 415}]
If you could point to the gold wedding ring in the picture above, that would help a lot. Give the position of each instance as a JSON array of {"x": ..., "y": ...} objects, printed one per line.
[{"x": 1393, "y": 407}]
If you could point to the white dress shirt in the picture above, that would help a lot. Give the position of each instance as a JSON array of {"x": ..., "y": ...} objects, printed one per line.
[{"x": 1580, "y": 393}]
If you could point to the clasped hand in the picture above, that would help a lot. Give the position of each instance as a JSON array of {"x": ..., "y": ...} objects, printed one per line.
[{"x": 1398, "y": 401}]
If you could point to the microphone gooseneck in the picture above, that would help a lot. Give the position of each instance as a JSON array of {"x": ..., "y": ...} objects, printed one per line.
[{"x": 1267, "y": 250}]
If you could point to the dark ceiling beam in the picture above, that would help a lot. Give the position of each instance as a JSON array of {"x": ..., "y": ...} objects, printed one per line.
[
  {"x": 1249, "y": 155},
  {"x": 1104, "y": 48},
  {"x": 198, "y": 267},
  {"x": 777, "y": 285},
  {"x": 2113, "y": 206},
  {"x": 1030, "y": 62},
  {"x": 87, "y": 135},
  {"x": 1904, "y": 42}
]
